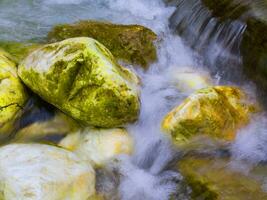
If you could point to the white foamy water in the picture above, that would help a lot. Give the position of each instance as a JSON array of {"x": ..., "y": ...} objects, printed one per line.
[
  {"x": 145, "y": 175},
  {"x": 250, "y": 144}
]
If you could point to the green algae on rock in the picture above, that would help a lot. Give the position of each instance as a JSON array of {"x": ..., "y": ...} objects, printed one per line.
[
  {"x": 80, "y": 77},
  {"x": 18, "y": 50},
  {"x": 214, "y": 111},
  {"x": 13, "y": 95},
  {"x": 211, "y": 179},
  {"x": 131, "y": 43},
  {"x": 36, "y": 171}
]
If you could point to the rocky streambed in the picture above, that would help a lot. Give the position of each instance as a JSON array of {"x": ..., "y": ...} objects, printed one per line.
[{"x": 132, "y": 100}]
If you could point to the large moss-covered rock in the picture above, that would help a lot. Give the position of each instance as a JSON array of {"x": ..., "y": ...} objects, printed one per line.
[
  {"x": 214, "y": 111},
  {"x": 80, "y": 77},
  {"x": 34, "y": 171},
  {"x": 99, "y": 145},
  {"x": 212, "y": 179},
  {"x": 12, "y": 94},
  {"x": 131, "y": 43}
]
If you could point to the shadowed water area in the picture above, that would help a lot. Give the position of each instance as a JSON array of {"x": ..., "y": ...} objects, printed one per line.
[{"x": 191, "y": 35}]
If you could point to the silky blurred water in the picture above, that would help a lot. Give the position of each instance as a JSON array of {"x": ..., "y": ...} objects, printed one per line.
[{"x": 145, "y": 175}]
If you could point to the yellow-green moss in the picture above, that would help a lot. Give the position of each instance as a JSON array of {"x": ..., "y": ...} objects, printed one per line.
[
  {"x": 80, "y": 77},
  {"x": 214, "y": 111},
  {"x": 211, "y": 179},
  {"x": 12, "y": 94},
  {"x": 18, "y": 50},
  {"x": 131, "y": 43}
]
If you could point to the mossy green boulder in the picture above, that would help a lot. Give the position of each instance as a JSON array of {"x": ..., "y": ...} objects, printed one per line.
[
  {"x": 214, "y": 111},
  {"x": 130, "y": 43},
  {"x": 212, "y": 179},
  {"x": 13, "y": 95},
  {"x": 80, "y": 77}
]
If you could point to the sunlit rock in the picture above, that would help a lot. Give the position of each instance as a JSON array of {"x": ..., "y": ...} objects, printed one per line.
[
  {"x": 47, "y": 131},
  {"x": 80, "y": 77},
  {"x": 131, "y": 43},
  {"x": 213, "y": 179},
  {"x": 214, "y": 111},
  {"x": 34, "y": 171},
  {"x": 99, "y": 145},
  {"x": 189, "y": 80},
  {"x": 12, "y": 94}
]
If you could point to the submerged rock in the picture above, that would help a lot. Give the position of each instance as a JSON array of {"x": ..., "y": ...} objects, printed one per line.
[
  {"x": 13, "y": 95},
  {"x": 212, "y": 179},
  {"x": 188, "y": 80},
  {"x": 34, "y": 171},
  {"x": 214, "y": 111},
  {"x": 80, "y": 77},
  {"x": 131, "y": 43},
  {"x": 99, "y": 145},
  {"x": 50, "y": 130}
]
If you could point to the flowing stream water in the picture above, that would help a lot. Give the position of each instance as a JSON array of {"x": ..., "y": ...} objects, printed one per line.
[{"x": 146, "y": 175}]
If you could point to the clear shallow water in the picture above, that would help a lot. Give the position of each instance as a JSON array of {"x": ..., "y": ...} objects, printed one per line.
[{"x": 145, "y": 175}]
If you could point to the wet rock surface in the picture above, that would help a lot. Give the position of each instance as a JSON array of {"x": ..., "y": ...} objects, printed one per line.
[
  {"x": 131, "y": 43},
  {"x": 35, "y": 171},
  {"x": 99, "y": 145},
  {"x": 214, "y": 111},
  {"x": 13, "y": 95},
  {"x": 213, "y": 179},
  {"x": 80, "y": 77}
]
